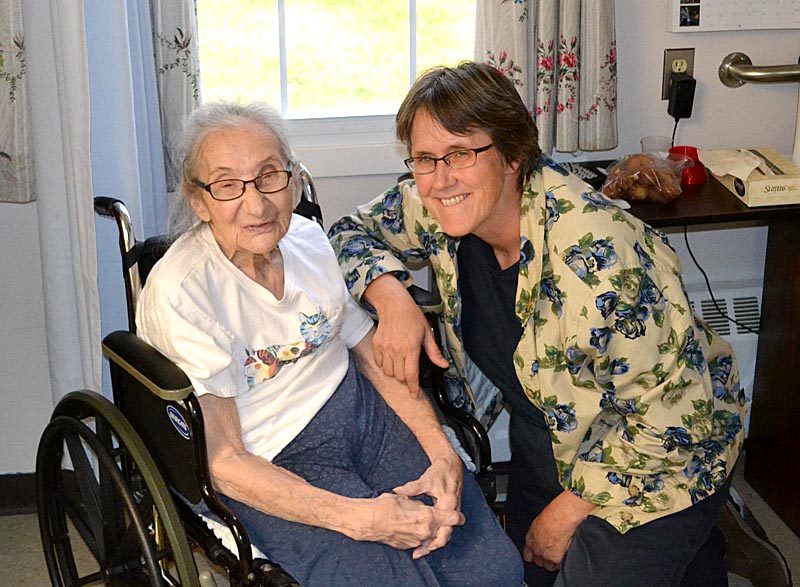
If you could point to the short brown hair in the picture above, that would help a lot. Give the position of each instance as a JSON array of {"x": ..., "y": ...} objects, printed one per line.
[{"x": 469, "y": 97}]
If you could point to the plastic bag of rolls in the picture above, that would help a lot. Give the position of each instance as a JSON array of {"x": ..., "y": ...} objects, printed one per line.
[{"x": 645, "y": 177}]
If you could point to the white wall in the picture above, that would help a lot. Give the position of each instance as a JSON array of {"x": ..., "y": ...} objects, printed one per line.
[
  {"x": 25, "y": 394},
  {"x": 722, "y": 117}
]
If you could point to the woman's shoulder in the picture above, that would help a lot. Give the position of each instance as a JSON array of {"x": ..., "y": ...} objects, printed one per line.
[
  {"x": 305, "y": 226},
  {"x": 305, "y": 236},
  {"x": 189, "y": 254},
  {"x": 586, "y": 229}
]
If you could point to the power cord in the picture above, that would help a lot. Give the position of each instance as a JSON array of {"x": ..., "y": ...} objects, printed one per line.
[
  {"x": 738, "y": 503},
  {"x": 708, "y": 283},
  {"x": 674, "y": 129}
]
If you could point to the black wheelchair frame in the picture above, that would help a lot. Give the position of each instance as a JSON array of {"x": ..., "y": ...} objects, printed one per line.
[{"x": 139, "y": 464}]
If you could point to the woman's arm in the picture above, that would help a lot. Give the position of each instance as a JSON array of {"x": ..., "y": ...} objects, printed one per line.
[
  {"x": 391, "y": 519},
  {"x": 382, "y": 236},
  {"x": 443, "y": 480},
  {"x": 416, "y": 412},
  {"x": 402, "y": 331},
  {"x": 673, "y": 410},
  {"x": 373, "y": 246}
]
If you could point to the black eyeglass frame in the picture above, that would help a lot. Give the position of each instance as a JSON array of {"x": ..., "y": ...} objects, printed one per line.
[
  {"x": 207, "y": 186},
  {"x": 411, "y": 161}
]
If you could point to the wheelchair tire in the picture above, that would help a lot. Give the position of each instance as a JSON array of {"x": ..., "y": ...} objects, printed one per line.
[{"x": 114, "y": 497}]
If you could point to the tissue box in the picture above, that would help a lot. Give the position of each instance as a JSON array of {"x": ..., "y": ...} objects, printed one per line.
[{"x": 782, "y": 186}]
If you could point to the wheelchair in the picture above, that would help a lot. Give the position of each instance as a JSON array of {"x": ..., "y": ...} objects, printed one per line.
[{"x": 128, "y": 475}]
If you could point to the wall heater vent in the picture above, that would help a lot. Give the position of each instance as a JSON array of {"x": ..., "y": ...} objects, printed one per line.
[
  {"x": 746, "y": 311},
  {"x": 715, "y": 315}
]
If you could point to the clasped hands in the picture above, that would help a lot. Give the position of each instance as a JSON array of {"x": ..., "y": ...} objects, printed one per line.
[{"x": 403, "y": 522}]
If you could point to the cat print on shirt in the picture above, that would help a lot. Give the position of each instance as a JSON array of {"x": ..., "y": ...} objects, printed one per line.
[
  {"x": 263, "y": 364},
  {"x": 315, "y": 329}
]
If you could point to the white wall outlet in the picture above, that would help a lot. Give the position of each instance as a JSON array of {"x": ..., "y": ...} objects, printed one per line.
[
  {"x": 675, "y": 61},
  {"x": 679, "y": 66}
]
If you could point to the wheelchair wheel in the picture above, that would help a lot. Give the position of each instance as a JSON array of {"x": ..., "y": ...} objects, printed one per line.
[{"x": 113, "y": 496}]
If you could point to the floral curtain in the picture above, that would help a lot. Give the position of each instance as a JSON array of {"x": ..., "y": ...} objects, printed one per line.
[
  {"x": 178, "y": 74},
  {"x": 16, "y": 143},
  {"x": 562, "y": 57}
]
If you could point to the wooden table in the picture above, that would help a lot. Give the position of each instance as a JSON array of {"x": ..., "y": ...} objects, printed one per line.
[{"x": 772, "y": 459}]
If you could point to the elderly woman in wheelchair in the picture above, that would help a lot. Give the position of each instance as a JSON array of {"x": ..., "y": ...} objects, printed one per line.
[{"x": 338, "y": 483}]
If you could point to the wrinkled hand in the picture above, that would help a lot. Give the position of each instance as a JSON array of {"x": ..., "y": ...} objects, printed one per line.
[
  {"x": 550, "y": 534},
  {"x": 403, "y": 523},
  {"x": 442, "y": 481},
  {"x": 402, "y": 331}
]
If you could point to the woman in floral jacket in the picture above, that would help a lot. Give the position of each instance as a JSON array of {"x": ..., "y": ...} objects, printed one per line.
[{"x": 626, "y": 409}]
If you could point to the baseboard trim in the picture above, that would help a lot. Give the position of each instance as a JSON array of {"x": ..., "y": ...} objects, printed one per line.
[{"x": 17, "y": 494}]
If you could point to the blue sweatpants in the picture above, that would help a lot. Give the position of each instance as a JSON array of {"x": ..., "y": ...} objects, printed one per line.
[{"x": 358, "y": 447}]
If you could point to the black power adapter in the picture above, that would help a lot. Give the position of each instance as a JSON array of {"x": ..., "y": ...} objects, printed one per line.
[{"x": 681, "y": 96}]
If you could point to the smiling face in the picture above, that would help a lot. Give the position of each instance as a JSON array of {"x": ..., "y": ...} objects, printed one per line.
[
  {"x": 482, "y": 200},
  {"x": 253, "y": 224}
]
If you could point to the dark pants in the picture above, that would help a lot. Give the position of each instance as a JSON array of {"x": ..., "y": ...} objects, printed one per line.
[
  {"x": 358, "y": 447},
  {"x": 682, "y": 549}
]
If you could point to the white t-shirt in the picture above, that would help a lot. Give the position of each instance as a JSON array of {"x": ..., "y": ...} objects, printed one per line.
[{"x": 280, "y": 359}]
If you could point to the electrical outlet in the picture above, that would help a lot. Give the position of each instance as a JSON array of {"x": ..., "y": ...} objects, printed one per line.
[
  {"x": 680, "y": 66},
  {"x": 675, "y": 61}
]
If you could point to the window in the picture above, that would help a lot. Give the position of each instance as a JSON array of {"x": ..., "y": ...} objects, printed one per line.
[{"x": 328, "y": 58}]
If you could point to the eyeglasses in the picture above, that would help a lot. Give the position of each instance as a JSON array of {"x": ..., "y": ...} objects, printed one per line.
[
  {"x": 460, "y": 159},
  {"x": 231, "y": 189}
]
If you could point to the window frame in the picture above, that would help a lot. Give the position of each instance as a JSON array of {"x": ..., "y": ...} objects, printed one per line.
[
  {"x": 348, "y": 145},
  {"x": 341, "y": 146}
]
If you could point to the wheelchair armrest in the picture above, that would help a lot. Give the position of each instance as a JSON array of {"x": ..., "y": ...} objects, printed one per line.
[
  {"x": 428, "y": 301},
  {"x": 155, "y": 371}
]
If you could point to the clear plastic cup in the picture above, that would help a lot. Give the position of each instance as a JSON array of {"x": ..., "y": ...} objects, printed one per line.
[{"x": 656, "y": 144}]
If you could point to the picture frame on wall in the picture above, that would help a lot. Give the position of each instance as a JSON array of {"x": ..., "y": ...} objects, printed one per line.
[{"x": 691, "y": 16}]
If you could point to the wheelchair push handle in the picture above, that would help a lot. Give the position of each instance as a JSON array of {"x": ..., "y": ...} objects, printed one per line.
[{"x": 104, "y": 206}]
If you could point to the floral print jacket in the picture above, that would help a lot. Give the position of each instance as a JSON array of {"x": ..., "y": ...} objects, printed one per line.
[{"x": 642, "y": 398}]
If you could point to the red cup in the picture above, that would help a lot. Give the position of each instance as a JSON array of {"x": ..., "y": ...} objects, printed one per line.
[{"x": 695, "y": 172}]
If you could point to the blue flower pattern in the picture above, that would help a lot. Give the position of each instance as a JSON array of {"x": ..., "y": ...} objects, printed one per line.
[
  {"x": 596, "y": 200},
  {"x": 692, "y": 354},
  {"x": 526, "y": 252},
  {"x": 644, "y": 259},
  {"x": 551, "y": 208},
  {"x": 390, "y": 212},
  {"x": 630, "y": 317},
  {"x": 590, "y": 256},
  {"x": 720, "y": 370},
  {"x": 599, "y": 339},
  {"x": 549, "y": 290},
  {"x": 611, "y": 352}
]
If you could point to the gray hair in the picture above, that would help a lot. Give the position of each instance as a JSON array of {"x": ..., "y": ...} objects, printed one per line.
[{"x": 199, "y": 125}]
